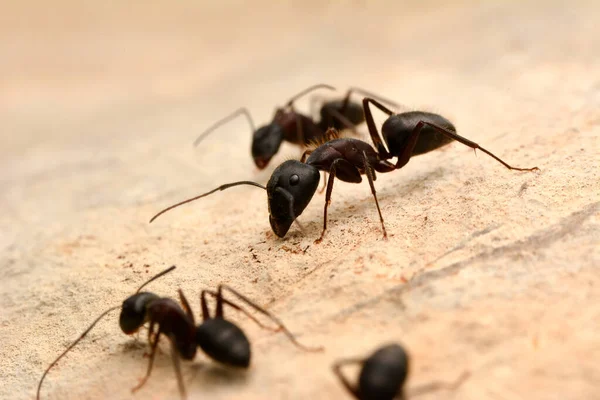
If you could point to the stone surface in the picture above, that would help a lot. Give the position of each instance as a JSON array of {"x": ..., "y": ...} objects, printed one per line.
[{"x": 486, "y": 270}]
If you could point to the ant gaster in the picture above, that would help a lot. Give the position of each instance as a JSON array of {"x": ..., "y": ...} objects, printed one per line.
[
  {"x": 383, "y": 375},
  {"x": 293, "y": 183},
  {"x": 293, "y": 127},
  {"x": 221, "y": 340}
]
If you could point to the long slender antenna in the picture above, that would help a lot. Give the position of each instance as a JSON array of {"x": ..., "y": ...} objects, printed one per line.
[
  {"x": 243, "y": 110},
  {"x": 308, "y": 90},
  {"x": 155, "y": 277},
  {"x": 222, "y": 187},
  {"x": 71, "y": 346}
]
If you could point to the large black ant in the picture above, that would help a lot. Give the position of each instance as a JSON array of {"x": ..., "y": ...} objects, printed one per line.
[
  {"x": 383, "y": 375},
  {"x": 294, "y": 127},
  {"x": 220, "y": 339},
  {"x": 293, "y": 183}
]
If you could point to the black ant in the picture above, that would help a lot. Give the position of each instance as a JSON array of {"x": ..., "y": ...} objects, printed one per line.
[
  {"x": 383, "y": 375},
  {"x": 221, "y": 340},
  {"x": 293, "y": 183},
  {"x": 291, "y": 126}
]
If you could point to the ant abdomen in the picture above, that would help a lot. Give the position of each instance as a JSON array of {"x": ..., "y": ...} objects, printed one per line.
[
  {"x": 397, "y": 128},
  {"x": 384, "y": 373},
  {"x": 224, "y": 342}
]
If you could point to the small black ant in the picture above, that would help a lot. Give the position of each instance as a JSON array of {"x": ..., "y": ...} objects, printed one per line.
[
  {"x": 383, "y": 375},
  {"x": 293, "y": 127},
  {"x": 293, "y": 183},
  {"x": 221, "y": 340}
]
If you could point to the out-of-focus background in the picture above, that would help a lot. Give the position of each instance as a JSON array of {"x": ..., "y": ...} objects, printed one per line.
[{"x": 486, "y": 270}]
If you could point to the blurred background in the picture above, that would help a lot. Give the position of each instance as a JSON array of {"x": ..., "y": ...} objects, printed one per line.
[{"x": 100, "y": 103}]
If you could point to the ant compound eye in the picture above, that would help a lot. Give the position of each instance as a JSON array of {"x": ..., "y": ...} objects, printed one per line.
[{"x": 294, "y": 180}]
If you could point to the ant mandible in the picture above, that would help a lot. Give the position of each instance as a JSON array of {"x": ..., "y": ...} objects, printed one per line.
[
  {"x": 383, "y": 375},
  {"x": 294, "y": 127},
  {"x": 220, "y": 339},
  {"x": 293, "y": 183}
]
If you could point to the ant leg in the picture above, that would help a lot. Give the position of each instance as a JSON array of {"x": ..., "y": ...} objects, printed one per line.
[
  {"x": 340, "y": 117},
  {"x": 433, "y": 386},
  {"x": 305, "y": 155},
  {"x": 370, "y": 173},
  {"x": 177, "y": 367},
  {"x": 151, "y": 332},
  {"x": 150, "y": 363},
  {"x": 324, "y": 182},
  {"x": 337, "y": 369},
  {"x": 366, "y": 93},
  {"x": 328, "y": 197},
  {"x": 235, "y": 306},
  {"x": 383, "y": 153},
  {"x": 240, "y": 111},
  {"x": 204, "y": 306},
  {"x": 404, "y": 157},
  {"x": 268, "y": 315},
  {"x": 299, "y": 129},
  {"x": 186, "y": 306}
]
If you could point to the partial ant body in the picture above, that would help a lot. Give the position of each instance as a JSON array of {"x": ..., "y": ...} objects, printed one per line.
[
  {"x": 383, "y": 375},
  {"x": 220, "y": 339},
  {"x": 294, "y": 127},
  {"x": 293, "y": 183}
]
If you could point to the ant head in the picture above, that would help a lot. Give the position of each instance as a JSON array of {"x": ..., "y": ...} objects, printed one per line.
[
  {"x": 265, "y": 143},
  {"x": 290, "y": 189},
  {"x": 133, "y": 311},
  {"x": 224, "y": 342}
]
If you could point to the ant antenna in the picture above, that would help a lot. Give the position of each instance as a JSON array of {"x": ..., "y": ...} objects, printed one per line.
[
  {"x": 155, "y": 277},
  {"x": 308, "y": 90},
  {"x": 39, "y": 388},
  {"x": 240, "y": 111},
  {"x": 222, "y": 187}
]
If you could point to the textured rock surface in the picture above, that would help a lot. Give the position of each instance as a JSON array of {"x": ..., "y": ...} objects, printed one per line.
[{"x": 486, "y": 270}]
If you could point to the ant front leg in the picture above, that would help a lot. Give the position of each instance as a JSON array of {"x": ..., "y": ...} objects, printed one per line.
[
  {"x": 281, "y": 326},
  {"x": 338, "y": 163},
  {"x": 337, "y": 370},
  {"x": 370, "y": 173},
  {"x": 150, "y": 362},
  {"x": 406, "y": 153}
]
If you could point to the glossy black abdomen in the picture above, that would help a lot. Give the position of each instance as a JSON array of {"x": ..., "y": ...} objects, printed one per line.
[
  {"x": 383, "y": 374},
  {"x": 224, "y": 342},
  {"x": 397, "y": 129}
]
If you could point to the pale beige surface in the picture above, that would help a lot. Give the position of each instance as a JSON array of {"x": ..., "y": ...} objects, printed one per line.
[{"x": 99, "y": 106}]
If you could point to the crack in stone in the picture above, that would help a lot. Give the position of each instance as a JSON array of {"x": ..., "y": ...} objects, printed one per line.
[{"x": 540, "y": 239}]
